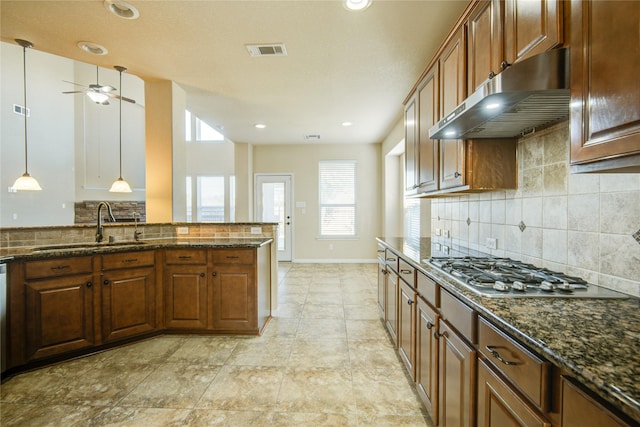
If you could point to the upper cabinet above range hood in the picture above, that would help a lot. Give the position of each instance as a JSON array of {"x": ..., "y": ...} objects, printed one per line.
[{"x": 530, "y": 94}]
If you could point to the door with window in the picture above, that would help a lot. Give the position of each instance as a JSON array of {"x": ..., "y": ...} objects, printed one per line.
[{"x": 273, "y": 204}]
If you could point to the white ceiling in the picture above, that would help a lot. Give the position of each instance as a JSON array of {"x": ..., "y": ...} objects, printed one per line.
[{"x": 341, "y": 65}]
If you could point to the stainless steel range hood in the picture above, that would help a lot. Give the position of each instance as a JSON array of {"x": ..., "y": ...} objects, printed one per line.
[{"x": 528, "y": 95}]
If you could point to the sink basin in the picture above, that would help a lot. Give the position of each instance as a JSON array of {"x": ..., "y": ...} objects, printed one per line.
[{"x": 92, "y": 245}]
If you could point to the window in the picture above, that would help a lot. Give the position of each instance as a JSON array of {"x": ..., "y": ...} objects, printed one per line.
[
  {"x": 203, "y": 132},
  {"x": 337, "y": 179},
  {"x": 211, "y": 198},
  {"x": 412, "y": 218}
]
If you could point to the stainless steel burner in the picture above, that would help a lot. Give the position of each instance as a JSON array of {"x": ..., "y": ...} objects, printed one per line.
[{"x": 504, "y": 277}]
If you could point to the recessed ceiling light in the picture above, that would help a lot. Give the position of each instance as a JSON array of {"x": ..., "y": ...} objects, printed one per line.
[
  {"x": 260, "y": 125},
  {"x": 356, "y": 4},
  {"x": 346, "y": 124},
  {"x": 93, "y": 48},
  {"x": 121, "y": 9}
]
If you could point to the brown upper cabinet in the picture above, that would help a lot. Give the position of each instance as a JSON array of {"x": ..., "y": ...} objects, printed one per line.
[
  {"x": 484, "y": 35},
  {"x": 411, "y": 155},
  {"x": 605, "y": 87}
]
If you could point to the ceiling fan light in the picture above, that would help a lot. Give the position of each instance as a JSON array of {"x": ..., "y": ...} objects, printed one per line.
[
  {"x": 26, "y": 183},
  {"x": 97, "y": 97},
  {"x": 120, "y": 186}
]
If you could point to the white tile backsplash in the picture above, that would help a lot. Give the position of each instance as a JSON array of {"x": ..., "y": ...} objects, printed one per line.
[{"x": 581, "y": 224}]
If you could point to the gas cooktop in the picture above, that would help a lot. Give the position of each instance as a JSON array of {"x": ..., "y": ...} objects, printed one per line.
[{"x": 504, "y": 277}]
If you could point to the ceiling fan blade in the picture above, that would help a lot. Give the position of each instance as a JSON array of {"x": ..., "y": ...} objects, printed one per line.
[
  {"x": 124, "y": 98},
  {"x": 75, "y": 91},
  {"x": 74, "y": 83}
]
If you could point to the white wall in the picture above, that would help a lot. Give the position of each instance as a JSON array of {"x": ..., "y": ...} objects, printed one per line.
[
  {"x": 50, "y": 138},
  {"x": 302, "y": 162}
]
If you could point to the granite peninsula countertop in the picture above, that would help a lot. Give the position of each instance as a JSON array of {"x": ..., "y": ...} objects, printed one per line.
[
  {"x": 597, "y": 341},
  {"x": 90, "y": 248}
]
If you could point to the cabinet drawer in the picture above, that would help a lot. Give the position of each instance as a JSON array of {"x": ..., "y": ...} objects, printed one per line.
[
  {"x": 233, "y": 256},
  {"x": 407, "y": 272},
  {"x": 392, "y": 260},
  {"x": 381, "y": 251},
  {"x": 128, "y": 260},
  {"x": 58, "y": 267},
  {"x": 459, "y": 315},
  {"x": 185, "y": 256},
  {"x": 428, "y": 289},
  {"x": 528, "y": 372}
]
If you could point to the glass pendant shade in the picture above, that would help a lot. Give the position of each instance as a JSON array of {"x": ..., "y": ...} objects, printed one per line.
[
  {"x": 26, "y": 181},
  {"x": 97, "y": 97},
  {"x": 120, "y": 186}
]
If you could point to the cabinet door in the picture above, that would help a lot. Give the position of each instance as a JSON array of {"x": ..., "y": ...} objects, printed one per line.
[
  {"x": 59, "y": 315},
  {"x": 427, "y": 358},
  {"x": 428, "y": 108},
  {"x": 531, "y": 27},
  {"x": 485, "y": 52},
  {"x": 234, "y": 298},
  {"x": 391, "y": 309},
  {"x": 456, "y": 380},
  {"x": 605, "y": 88},
  {"x": 499, "y": 405},
  {"x": 185, "y": 290},
  {"x": 128, "y": 303},
  {"x": 579, "y": 409},
  {"x": 406, "y": 327},
  {"x": 382, "y": 286},
  {"x": 452, "y": 92},
  {"x": 410, "y": 146}
]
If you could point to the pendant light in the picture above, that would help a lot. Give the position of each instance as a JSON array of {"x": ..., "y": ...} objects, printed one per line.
[
  {"x": 26, "y": 181},
  {"x": 120, "y": 185}
]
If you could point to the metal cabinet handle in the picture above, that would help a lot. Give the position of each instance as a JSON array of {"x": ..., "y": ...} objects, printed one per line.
[
  {"x": 214, "y": 274},
  {"x": 437, "y": 335},
  {"x": 406, "y": 271},
  {"x": 60, "y": 267},
  {"x": 185, "y": 257},
  {"x": 457, "y": 175},
  {"x": 232, "y": 257},
  {"x": 491, "y": 75},
  {"x": 504, "y": 65},
  {"x": 129, "y": 260},
  {"x": 409, "y": 301},
  {"x": 106, "y": 282},
  {"x": 89, "y": 284},
  {"x": 495, "y": 354},
  {"x": 391, "y": 259},
  {"x": 430, "y": 325},
  {"x": 202, "y": 274}
]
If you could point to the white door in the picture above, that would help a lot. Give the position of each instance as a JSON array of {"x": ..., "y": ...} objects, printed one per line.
[{"x": 273, "y": 204}]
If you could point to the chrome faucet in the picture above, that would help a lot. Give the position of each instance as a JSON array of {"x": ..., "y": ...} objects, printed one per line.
[{"x": 99, "y": 235}]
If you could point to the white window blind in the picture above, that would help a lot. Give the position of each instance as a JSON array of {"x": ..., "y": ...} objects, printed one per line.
[
  {"x": 211, "y": 198},
  {"x": 337, "y": 180},
  {"x": 412, "y": 218}
]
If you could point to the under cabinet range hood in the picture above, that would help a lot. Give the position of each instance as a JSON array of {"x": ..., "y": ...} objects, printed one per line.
[{"x": 530, "y": 94}]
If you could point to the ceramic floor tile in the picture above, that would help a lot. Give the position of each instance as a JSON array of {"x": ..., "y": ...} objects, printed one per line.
[
  {"x": 297, "y": 419},
  {"x": 155, "y": 350},
  {"x": 290, "y": 310},
  {"x": 324, "y": 298},
  {"x": 322, "y": 328},
  {"x": 385, "y": 392},
  {"x": 372, "y": 353},
  {"x": 361, "y": 312},
  {"x": 223, "y": 418},
  {"x": 262, "y": 352},
  {"x": 320, "y": 353},
  {"x": 36, "y": 415},
  {"x": 172, "y": 385},
  {"x": 384, "y": 420},
  {"x": 206, "y": 350},
  {"x": 249, "y": 388},
  {"x": 281, "y": 328},
  {"x": 322, "y": 390},
  {"x": 323, "y": 311},
  {"x": 365, "y": 329},
  {"x": 142, "y": 417}
]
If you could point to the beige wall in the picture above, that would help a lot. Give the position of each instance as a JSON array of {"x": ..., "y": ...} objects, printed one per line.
[
  {"x": 582, "y": 224},
  {"x": 302, "y": 162}
]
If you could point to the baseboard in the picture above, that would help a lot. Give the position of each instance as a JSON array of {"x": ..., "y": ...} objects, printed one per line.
[{"x": 335, "y": 261}]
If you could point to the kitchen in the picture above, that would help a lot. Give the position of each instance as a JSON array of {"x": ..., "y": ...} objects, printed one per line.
[{"x": 553, "y": 205}]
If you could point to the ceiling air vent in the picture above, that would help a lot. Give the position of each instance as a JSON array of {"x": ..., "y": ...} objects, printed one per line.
[
  {"x": 277, "y": 49},
  {"x": 312, "y": 137}
]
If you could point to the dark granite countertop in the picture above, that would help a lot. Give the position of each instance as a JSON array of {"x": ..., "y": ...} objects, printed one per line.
[
  {"x": 596, "y": 340},
  {"x": 79, "y": 249}
]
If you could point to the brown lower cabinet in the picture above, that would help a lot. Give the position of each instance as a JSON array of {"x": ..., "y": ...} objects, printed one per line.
[
  {"x": 427, "y": 357},
  {"x": 65, "y": 306},
  {"x": 581, "y": 409},
  {"x": 391, "y": 305},
  {"x": 406, "y": 327}
]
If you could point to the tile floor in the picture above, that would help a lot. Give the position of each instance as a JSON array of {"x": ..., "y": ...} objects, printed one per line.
[{"x": 326, "y": 360}]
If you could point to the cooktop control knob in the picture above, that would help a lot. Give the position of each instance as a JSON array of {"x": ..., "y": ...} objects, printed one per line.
[
  {"x": 547, "y": 286},
  {"x": 519, "y": 286},
  {"x": 501, "y": 286}
]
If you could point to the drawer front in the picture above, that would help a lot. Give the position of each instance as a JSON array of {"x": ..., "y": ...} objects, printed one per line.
[
  {"x": 459, "y": 315},
  {"x": 407, "y": 272},
  {"x": 381, "y": 251},
  {"x": 428, "y": 289},
  {"x": 128, "y": 260},
  {"x": 525, "y": 370},
  {"x": 392, "y": 260},
  {"x": 58, "y": 267},
  {"x": 233, "y": 256},
  {"x": 185, "y": 256}
]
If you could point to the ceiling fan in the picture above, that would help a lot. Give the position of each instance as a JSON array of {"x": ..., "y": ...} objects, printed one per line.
[{"x": 98, "y": 93}]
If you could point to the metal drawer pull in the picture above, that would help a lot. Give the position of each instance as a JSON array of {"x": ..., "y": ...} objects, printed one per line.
[
  {"x": 185, "y": 257},
  {"x": 391, "y": 259},
  {"x": 232, "y": 257},
  {"x": 406, "y": 271},
  {"x": 60, "y": 267},
  {"x": 130, "y": 260},
  {"x": 437, "y": 335},
  {"x": 495, "y": 354},
  {"x": 430, "y": 325}
]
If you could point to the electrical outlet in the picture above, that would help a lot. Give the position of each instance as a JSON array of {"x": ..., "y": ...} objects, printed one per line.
[
  {"x": 256, "y": 230},
  {"x": 330, "y": 246},
  {"x": 445, "y": 250},
  {"x": 447, "y": 234},
  {"x": 438, "y": 232},
  {"x": 182, "y": 230},
  {"x": 492, "y": 243}
]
